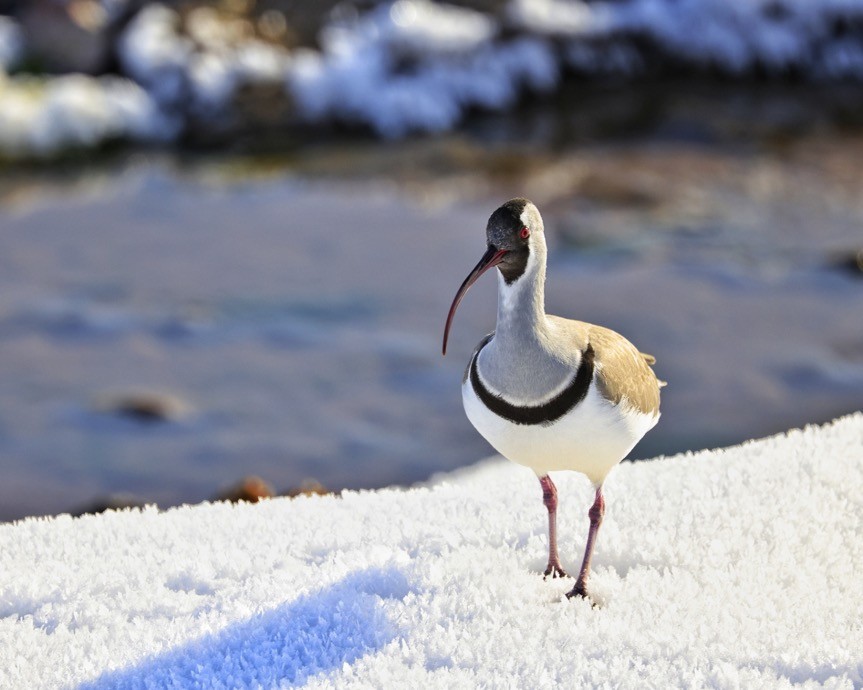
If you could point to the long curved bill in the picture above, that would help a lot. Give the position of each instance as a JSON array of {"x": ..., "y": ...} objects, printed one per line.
[{"x": 491, "y": 258}]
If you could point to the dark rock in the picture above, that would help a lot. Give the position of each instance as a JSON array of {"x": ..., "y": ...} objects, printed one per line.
[
  {"x": 262, "y": 108},
  {"x": 109, "y": 502},
  {"x": 303, "y": 20},
  {"x": 72, "y": 36},
  {"x": 850, "y": 262},
  {"x": 288, "y": 23},
  {"x": 144, "y": 406},
  {"x": 494, "y": 8},
  {"x": 630, "y": 191},
  {"x": 251, "y": 489},
  {"x": 307, "y": 487}
]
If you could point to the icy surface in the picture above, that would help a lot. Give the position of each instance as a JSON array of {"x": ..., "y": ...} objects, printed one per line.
[{"x": 730, "y": 568}]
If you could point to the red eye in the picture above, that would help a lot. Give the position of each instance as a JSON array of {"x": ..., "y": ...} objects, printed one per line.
[{"x": 525, "y": 233}]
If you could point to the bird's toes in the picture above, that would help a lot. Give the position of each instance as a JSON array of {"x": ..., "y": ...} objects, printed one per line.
[
  {"x": 580, "y": 592},
  {"x": 555, "y": 571},
  {"x": 577, "y": 591}
]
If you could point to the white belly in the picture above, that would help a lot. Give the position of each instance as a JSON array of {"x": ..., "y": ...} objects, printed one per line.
[{"x": 592, "y": 438}]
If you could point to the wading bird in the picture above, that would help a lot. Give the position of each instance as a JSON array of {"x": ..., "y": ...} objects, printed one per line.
[{"x": 546, "y": 392}]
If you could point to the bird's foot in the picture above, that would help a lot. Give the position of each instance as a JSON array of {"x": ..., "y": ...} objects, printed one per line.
[
  {"x": 580, "y": 590},
  {"x": 555, "y": 571}
]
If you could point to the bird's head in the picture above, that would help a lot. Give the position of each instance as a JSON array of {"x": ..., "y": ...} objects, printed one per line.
[{"x": 511, "y": 234}]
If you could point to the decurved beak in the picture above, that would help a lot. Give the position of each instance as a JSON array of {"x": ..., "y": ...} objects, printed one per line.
[{"x": 491, "y": 258}]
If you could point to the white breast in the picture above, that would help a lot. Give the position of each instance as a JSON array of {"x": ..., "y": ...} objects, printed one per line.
[{"x": 591, "y": 438}]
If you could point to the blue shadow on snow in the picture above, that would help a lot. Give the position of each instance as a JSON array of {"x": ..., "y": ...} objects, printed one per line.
[{"x": 317, "y": 632}]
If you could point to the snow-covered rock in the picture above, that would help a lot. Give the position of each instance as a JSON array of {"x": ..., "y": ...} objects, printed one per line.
[
  {"x": 405, "y": 66},
  {"x": 196, "y": 69},
  {"x": 152, "y": 51},
  {"x": 414, "y": 65},
  {"x": 11, "y": 44},
  {"x": 733, "y": 36},
  {"x": 731, "y": 568},
  {"x": 44, "y": 117}
]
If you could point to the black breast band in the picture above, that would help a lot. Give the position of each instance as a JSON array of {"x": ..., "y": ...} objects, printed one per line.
[{"x": 547, "y": 412}]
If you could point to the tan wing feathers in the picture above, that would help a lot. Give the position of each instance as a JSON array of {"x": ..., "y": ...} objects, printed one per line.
[{"x": 623, "y": 373}]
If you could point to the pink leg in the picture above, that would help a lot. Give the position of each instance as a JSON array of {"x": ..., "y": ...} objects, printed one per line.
[
  {"x": 596, "y": 512},
  {"x": 549, "y": 498}
]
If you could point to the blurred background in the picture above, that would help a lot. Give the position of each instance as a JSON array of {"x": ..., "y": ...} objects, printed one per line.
[{"x": 230, "y": 231}]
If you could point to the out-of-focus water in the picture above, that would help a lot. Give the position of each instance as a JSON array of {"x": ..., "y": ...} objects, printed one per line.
[{"x": 301, "y": 318}]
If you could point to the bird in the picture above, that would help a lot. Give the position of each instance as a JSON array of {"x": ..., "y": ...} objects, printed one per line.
[{"x": 551, "y": 393}]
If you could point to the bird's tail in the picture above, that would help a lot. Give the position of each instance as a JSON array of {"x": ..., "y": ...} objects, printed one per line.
[{"x": 651, "y": 360}]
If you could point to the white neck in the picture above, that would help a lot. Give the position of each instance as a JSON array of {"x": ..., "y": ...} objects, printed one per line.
[{"x": 521, "y": 304}]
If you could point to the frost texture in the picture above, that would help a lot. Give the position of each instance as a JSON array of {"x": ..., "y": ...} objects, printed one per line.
[{"x": 730, "y": 568}]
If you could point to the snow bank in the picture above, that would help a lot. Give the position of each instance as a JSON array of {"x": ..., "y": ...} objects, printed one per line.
[
  {"x": 417, "y": 65},
  {"x": 731, "y": 568},
  {"x": 200, "y": 71},
  {"x": 414, "y": 65},
  {"x": 817, "y": 38},
  {"x": 11, "y": 43},
  {"x": 44, "y": 117},
  {"x": 401, "y": 67}
]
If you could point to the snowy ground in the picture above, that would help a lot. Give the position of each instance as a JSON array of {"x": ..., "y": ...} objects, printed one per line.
[{"x": 732, "y": 568}]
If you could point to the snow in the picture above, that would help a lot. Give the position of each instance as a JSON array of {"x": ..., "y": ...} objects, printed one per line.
[
  {"x": 416, "y": 65},
  {"x": 154, "y": 54},
  {"x": 201, "y": 71},
  {"x": 427, "y": 27},
  {"x": 420, "y": 66},
  {"x": 357, "y": 76},
  {"x": 43, "y": 117},
  {"x": 11, "y": 44},
  {"x": 453, "y": 65},
  {"x": 733, "y": 36},
  {"x": 729, "y": 568}
]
